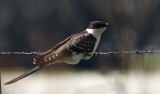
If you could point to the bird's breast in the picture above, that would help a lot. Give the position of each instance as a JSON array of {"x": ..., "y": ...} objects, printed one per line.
[{"x": 74, "y": 59}]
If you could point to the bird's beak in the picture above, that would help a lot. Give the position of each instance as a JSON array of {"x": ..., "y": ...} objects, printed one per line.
[{"x": 107, "y": 24}]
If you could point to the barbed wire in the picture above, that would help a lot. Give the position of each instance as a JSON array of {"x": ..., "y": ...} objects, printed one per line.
[
  {"x": 20, "y": 53},
  {"x": 140, "y": 52}
]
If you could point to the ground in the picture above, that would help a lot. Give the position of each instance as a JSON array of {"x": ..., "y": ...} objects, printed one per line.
[{"x": 82, "y": 82}]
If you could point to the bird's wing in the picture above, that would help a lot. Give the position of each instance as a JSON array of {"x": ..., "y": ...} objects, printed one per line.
[
  {"x": 82, "y": 43},
  {"x": 39, "y": 58}
]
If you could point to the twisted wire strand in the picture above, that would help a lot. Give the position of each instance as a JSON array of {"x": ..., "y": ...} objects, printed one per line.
[{"x": 96, "y": 53}]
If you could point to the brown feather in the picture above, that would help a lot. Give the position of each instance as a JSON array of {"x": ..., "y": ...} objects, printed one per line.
[
  {"x": 26, "y": 74},
  {"x": 40, "y": 58}
]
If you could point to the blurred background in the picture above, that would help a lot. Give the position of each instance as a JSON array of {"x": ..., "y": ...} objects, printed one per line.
[{"x": 38, "y": 25}]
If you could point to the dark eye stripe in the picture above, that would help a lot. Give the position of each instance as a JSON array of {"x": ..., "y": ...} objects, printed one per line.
[{"x": 96, "y": 24}]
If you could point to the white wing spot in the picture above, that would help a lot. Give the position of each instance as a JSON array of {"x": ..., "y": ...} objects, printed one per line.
[
  {"x": 56, "y": 54},
  {"x": 53, "y": 56},
  {"x": 49, "y": 58},
  {"x": 86, "y": 34}
]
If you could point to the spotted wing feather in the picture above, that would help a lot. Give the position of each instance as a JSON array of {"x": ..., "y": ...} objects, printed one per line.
[
  {"x": 82, "y": 43},
  {"x": 44, "y": 57}
]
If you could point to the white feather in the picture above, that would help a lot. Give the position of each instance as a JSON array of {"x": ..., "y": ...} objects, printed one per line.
[{"x": 97, "y": 33}]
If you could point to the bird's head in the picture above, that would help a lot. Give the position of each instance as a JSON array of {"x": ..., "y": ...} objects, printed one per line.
[{"x": 98, "y": 26}]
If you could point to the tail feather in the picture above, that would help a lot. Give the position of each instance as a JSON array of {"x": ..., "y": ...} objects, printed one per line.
[{"x": 26, "y": 74}]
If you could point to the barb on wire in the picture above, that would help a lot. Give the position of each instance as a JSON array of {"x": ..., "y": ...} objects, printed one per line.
[
  {"x": 96, "y": 53},
  {"x": 20, "y": 53},
  {"x": 138, "y": 52}
]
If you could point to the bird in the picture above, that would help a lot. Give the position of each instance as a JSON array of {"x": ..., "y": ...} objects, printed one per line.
[{"x": 71, "y": 50}]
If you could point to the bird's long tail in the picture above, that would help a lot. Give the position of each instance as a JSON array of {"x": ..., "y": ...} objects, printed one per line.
[{"x": 27, "y": 73}]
